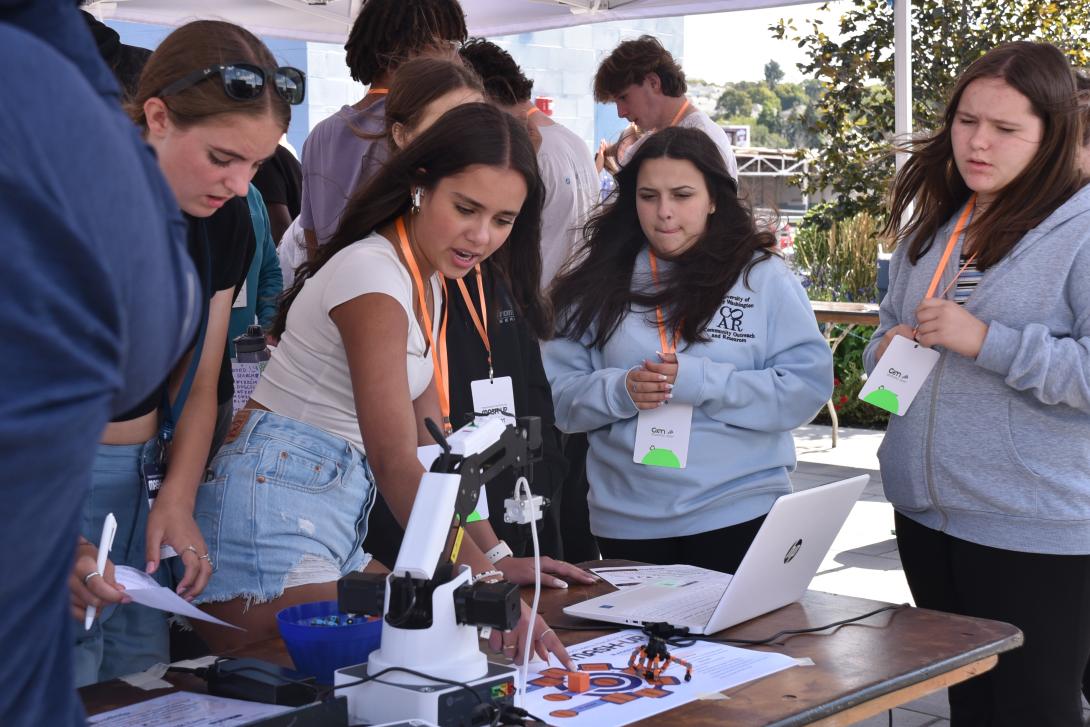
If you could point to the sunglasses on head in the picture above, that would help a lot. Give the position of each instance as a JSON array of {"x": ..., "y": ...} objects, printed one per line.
[{"x": 245, "y": 82}]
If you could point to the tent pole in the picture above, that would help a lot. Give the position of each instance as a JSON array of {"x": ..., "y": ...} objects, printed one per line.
[{"x": 902, "y": 71}]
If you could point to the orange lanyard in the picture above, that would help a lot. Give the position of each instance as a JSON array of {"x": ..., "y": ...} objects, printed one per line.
[
  {"x": 377, "y": 91},
  {"x": 533, "y": 110},
  {"x": 959, "y": 228},
  {"x": 480, "y": 322},
  {"x": 670, "y": 347},
  {"x": 439, "y": 352},
  {"x": 680, "y": 113}
]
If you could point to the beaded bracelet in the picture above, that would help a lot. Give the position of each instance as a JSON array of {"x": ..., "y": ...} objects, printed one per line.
[{"x": 488, "y": 574}]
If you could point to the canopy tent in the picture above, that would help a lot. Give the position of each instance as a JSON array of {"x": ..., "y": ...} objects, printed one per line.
[{"x": 330, "y": 20}]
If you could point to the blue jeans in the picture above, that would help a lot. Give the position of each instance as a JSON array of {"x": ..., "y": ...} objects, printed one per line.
[
  {"x": 125, "y": 638},
  {"x": 285, "y": 504}
]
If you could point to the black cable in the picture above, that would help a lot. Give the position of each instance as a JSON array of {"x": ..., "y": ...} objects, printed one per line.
[
  {"x": 441, "y": 680},
  {"x": 406, "y": 614},
  {"x": 795, "y": 632},
  {"x": 682, "y": 637}
]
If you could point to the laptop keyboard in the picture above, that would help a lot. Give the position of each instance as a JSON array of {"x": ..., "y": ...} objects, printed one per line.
[{"x": 693, "y": 605}]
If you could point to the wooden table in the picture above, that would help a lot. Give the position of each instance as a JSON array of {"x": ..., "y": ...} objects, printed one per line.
[
  {"x": 859, "y": 670},
  {"x": 850, "y": 315}
]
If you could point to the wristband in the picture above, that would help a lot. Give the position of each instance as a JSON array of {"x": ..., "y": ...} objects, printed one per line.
[{"x": 498, "y": 552}]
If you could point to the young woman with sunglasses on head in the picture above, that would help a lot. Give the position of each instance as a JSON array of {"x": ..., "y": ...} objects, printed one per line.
[
  {"x": 424, "y": 89},
  {"x": 680, "y": 316},
  {"x": 988, "y": 469},
  {"x": 212, "y": 106},
  {"x": 357, "y": 372}
]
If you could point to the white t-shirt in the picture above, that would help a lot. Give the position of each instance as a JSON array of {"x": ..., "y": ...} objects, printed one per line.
[
  {"x": 697, "y": 119},
  {"x": 307, "y": 377},
  {"x": 571, "y": 189}
]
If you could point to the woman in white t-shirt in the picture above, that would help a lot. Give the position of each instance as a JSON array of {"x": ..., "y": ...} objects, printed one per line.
[{"x": 341, "y": 406}]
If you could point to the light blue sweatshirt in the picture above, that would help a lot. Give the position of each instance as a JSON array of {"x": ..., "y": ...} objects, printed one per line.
[
  {"x": 996, "y": 450},
  {"x": 765, "y": 371}
]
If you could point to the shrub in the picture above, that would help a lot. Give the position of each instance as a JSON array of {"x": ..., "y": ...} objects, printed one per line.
[
  {"x": 848, "y": 380},
  {"x": 838, "y": 259}
]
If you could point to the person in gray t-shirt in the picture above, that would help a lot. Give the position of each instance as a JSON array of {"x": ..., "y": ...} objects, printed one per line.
[
  {"x": 564, "y": 161},
  {"x": 345, "y": 150}
]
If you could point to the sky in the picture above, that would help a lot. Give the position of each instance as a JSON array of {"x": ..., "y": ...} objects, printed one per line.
[{"x": 735, "y": 46}]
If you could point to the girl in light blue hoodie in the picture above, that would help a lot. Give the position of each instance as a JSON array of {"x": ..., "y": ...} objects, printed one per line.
[
  {"x": 679, "y": 301},
  {"x": 989, "y": 468}
]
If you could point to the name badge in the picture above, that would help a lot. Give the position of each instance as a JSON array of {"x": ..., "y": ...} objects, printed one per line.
[
  {"x": 899, "y": 375},
  {"x": 494, "y": 397},
  {"x": 662, "y": 436}
]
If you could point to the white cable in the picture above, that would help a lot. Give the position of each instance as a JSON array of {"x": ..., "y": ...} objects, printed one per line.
[{"x": 521, "y": 696}]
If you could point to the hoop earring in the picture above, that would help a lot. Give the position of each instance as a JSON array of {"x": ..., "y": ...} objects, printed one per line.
[{"x": 416, "y": 198}]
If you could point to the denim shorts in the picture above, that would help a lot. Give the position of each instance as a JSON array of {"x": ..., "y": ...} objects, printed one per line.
[{"x": 282, "y": 495}]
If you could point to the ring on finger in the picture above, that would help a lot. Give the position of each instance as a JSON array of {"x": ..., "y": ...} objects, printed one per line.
[
  {"x": 90, "y": 575},
  {"x": 542, "y": 634},
  {"x": 207, "y": 557},
  {"x": 192, "y": 549}
]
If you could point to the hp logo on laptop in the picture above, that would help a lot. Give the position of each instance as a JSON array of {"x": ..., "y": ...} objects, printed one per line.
[{"x": 792, "y": 551}]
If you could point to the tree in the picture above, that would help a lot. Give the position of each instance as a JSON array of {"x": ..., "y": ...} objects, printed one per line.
[
  {"x": 734, "y": 102},
  {"x": 854, "y": 115},
  {"x": 773, "y": 74}
]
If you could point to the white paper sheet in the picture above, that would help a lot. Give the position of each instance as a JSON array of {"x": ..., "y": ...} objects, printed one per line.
[
  {"x": 637, "y": 575},
  {"x": 186, "y": 709},
  {"x": 144, "y": 589},
  {"x": 617, "y": 697}
]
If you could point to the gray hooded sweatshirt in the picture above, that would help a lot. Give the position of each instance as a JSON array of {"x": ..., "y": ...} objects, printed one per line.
[{"x": 996, "y": 450}]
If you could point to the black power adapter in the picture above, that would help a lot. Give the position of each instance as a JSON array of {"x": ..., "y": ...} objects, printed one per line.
[{"x": 259, "y": 681}]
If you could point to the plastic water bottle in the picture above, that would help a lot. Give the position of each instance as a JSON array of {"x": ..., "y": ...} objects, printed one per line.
[{"x": 251, "y": 355}]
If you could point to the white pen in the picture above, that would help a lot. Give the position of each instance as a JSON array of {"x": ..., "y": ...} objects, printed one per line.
[{"x": 109, "y": 529}]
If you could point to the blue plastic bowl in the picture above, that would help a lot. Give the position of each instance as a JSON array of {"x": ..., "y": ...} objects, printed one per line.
[{"x": 319, "y": 650}]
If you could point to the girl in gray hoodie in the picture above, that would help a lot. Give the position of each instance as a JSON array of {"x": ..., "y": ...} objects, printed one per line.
[{"x": 989, "y": 468}]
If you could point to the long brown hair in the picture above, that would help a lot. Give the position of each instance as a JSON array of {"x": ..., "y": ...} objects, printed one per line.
[
  {"x": 201, "y": 44},
  {"x": 470, "y": 134},
  {"x": 419, "y": 82},
  {"x": 930, "y": 184},
  {"x": 596, "y": 293}
]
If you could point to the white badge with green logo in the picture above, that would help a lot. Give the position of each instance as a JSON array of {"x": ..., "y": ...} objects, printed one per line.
[
  {"x": 899, "y": 375},
  {"x": 662, "y": 436}
]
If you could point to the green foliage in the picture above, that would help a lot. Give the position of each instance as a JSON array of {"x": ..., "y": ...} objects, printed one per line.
[
  {"x": 734, "y": 102},
  {"x": 762, "y": 108},
  {"x": 848, "y": 380},
  {"x": 839, "y": 258},
  {"x": 773, "y": 74},
  {"x": 854, "y": 115}
]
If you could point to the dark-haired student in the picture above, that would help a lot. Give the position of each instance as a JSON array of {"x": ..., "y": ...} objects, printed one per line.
[
  {"x": 988, "y": 470},
  {"x": 505, "y": 344},
  {"x": 681, "y": 313},
  {"x": 340, "y": 409}
]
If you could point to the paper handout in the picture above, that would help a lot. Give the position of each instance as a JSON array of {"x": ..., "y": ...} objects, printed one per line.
[{"x": 144, "y": 589}]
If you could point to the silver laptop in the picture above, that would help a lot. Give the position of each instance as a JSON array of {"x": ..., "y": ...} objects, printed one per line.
[{"x": 775, "y": 571}]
